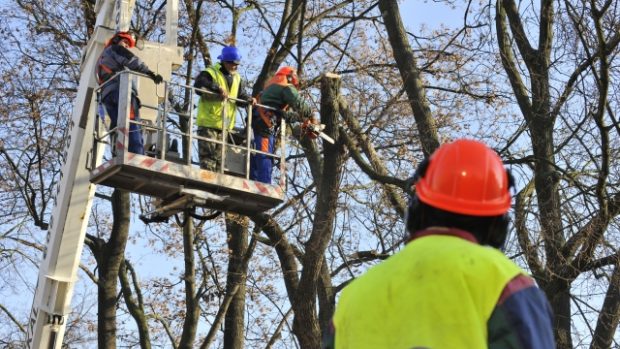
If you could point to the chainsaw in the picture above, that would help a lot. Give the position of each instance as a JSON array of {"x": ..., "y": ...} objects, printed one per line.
[{"x": 315, "y": 130}]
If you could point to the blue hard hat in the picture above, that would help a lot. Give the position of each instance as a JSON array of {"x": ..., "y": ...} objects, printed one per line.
[{"x": 229, "y": 54}]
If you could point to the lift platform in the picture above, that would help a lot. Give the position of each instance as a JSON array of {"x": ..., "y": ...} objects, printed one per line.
[
  {"x": 174, "y": 179},
  {"x": 166, "y": 180}
]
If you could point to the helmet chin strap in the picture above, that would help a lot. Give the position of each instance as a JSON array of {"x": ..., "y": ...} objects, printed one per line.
[{"x": 414, "y": 217}]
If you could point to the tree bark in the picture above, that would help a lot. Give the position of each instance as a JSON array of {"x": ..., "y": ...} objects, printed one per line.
[
  {"x": 407, "y": 65},
  {"x": 609, "y": 317},
  {"x": 284, "y": 250},
  {"x": 192, "y": 306},
  {"x": 135, "y": 305},
  {"x": 305, "y": 322},
  {"x": 109, "y": 260},
  {"x": 234, "y": 330},
  {"x": 327, "y": 297}
]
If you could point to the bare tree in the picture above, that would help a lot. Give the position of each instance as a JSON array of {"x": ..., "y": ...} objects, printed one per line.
[
  {"x": 570, "y": 244},
  {"x": 545, "y": 102}
]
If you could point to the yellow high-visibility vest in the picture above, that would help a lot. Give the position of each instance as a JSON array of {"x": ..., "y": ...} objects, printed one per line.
[
  {"x": 438, "y": 292},
  {"x": 210, "y": 109}
]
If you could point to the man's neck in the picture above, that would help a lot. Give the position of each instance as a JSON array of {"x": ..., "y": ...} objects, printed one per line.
[{"x": 444, "y": 231}]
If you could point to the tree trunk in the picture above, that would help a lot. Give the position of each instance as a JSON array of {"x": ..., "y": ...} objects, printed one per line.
[
  {"x": 135, "y": 305},
  {"x": 327, "y": 297},
  {"x": 192, "y": 308},
  {"x": 558, "y": 293},
  {"x": 407, "y": 65},
  {"x": 305, "y": 323},
  {"x": 535, "y": 105},
  {"x": 609, "y": 316},
  {"x": 109, "y": 261},
  {"x": 237, "y": 230}
]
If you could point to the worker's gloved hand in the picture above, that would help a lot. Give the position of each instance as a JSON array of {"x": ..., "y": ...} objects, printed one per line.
[
  {"x": 310, "y": 128},
  {"x": 156, "y": 78},
  {"x": 223, "y": 94}
]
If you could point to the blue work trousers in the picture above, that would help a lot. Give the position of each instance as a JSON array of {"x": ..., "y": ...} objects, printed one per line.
[
  {"x": 261, "y": 165},
  {"x": 110, "y": 101}
]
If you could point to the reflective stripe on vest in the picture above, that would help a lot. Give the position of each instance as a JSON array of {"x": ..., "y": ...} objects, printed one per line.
[
  {"x": 266, "y": 116},
  {"x": 210, "y": 109}
]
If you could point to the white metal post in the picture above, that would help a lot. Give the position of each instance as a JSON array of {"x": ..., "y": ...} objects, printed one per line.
[
  {"x": 65, "y": 236},
  {"x": 74, "y": 194},
  {"x": 190, "y": 129},
  {"x": 248, "y": 140},
  {"x": 282, "y": 154},
  {"x": 225, "y": 123},
  {"x": 123, "y": 125}
]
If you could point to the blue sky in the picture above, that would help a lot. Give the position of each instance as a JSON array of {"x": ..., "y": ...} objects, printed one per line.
[{"x": 417, "y": 12}]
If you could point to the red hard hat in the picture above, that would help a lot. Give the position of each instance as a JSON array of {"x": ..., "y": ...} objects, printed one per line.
[
  {"x": 125, "y": 36},
  {"x": 290, "y": 73},
  {"x": 465, "y": 177}
]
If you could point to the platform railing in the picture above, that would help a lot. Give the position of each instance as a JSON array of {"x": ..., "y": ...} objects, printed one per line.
[{"x": 161, "y": 132}]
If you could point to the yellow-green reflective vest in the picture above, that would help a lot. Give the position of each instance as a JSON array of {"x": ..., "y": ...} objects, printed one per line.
[
  {"x": 438, "y": 292},
  {"x": 210, "y": 109}
]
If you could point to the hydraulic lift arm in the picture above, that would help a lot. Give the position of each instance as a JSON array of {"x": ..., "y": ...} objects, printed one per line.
[{"x": 74, "y": 194}]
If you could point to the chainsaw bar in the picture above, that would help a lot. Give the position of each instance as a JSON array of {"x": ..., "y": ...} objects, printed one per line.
[{"x": 318, "y": 129}]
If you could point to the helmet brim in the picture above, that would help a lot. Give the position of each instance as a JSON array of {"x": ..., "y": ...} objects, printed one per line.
[{"x": 484, "y": 208}]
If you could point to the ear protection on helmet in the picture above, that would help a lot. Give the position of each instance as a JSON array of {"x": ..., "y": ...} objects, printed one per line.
[
  {"x": 416, "y": 217},
  {"x": 497, "y": 232},
  {"x": 498, "y": 229},
  {"x": 292, "y": 79}
]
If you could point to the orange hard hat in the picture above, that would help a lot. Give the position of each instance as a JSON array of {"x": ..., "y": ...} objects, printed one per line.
[
  {"x": 465, "y": 177},
  {"x": 123, "y": 36},
  {"x": 290, "y": 73}
]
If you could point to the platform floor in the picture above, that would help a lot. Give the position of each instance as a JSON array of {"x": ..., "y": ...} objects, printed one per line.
[{"x": 164, "y": 179}]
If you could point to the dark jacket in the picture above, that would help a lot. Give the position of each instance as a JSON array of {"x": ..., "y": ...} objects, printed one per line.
[
  {"x": 114, "y": 59},
  {"x": 285, "y": 98}
]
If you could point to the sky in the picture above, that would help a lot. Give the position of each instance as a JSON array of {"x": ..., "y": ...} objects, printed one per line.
[
  {"x": 414, "y": 14},
  {"x": 417, "y": 12}
]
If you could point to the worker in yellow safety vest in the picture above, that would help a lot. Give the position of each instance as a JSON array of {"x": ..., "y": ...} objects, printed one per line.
[
  {"x": 221, "y": 80},
  {"x": 450, "y": 286}
]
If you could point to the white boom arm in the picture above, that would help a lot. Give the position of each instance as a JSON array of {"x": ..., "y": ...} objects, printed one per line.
[{"x": 74, "y": 194}]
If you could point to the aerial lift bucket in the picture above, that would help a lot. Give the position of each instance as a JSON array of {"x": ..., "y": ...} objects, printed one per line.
[{"x": 171, "y": 178}]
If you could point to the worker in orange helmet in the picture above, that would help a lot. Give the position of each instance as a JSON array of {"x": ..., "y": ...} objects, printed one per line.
[
  {"x": 115, "y": 58},
  {"x": 279, "y": 93},
  {"x": 450, "y": 286}
]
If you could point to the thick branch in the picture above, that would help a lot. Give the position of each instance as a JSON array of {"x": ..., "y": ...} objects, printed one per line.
[{"x": 408, "y": 67}]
